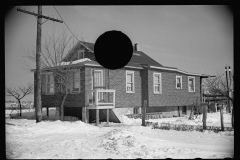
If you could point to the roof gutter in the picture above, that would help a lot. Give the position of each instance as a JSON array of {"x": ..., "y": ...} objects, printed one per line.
[
  {"x": 87, "y": 64},
  {"x": 180, "y": 71}
]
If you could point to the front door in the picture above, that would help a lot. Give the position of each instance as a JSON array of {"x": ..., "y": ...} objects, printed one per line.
[{"x": 98, "y": 81}]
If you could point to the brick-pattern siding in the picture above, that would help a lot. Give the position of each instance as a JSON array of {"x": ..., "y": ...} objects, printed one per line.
[
  {"x": 170, "y": 95},
  {"x": 118, "y": 82},
  {"x": 72, "y": 100}
]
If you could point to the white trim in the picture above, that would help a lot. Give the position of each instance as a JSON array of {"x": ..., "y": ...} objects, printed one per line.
[
  {"x": 193, "y": 84},
  {"x": 133, "y": 67},
  {"x": 133, "y": 86},
  {"x": 180, "y": 81},
  {"x": 171, "y": 69},
  {"x": 87, "y": 64},
  {"x": 72, "y": 79},
  {"x": 160, "y": 74},
  {"x": 100, "y": 77}
]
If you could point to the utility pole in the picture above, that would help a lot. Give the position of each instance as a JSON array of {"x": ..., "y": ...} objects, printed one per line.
[
  {"x": 37, "y": 89},
  {"x": 230, "y": 83},
  {"x": 226, "y": 71}
]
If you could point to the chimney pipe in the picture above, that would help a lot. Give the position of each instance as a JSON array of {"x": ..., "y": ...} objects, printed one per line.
[{"x": 135, "y": 46}]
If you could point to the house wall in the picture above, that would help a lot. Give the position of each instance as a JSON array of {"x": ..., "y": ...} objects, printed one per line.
[
  {"x": 117, "y": 81},
  {"x": 170, "y": 95},
  {"x": 72, "y": 100}
]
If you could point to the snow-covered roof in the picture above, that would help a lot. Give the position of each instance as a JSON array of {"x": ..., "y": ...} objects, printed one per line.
[{"x": 74, "y": 62}]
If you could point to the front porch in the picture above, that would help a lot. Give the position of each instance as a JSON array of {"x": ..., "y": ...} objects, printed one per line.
[{"x": 96, "y": 99}]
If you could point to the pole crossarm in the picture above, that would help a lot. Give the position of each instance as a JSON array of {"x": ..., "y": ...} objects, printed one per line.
[{"x": 39, "y": 15}]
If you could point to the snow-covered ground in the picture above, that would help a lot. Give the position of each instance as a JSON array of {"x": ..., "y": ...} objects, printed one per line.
[
  {"x": 56, "y": 139},
  {"x": 213, "y": 119}
]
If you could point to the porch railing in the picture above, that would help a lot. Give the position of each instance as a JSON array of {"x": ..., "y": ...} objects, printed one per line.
[{"x": 100, "y": 97}]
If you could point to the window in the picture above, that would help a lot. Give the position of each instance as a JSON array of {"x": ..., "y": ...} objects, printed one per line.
[
  {"x": 178, "y": 82},
  {"x": 75, "y": 77},
  {"x": 191, "y": 84},
  {"x": 157, "y": 83},
  {"x": 80, "y": 54},
  {"x": 50, "y": 83},
  {"x": 130, "y": 81}
]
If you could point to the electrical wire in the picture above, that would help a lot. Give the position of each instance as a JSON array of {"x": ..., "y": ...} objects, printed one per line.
[
  {"x": 70, "y": 30},
  {"x": 65, "y": 23}
]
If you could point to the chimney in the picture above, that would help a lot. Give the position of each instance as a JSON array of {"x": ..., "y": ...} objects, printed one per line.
[{"x": 135, "y": 46}]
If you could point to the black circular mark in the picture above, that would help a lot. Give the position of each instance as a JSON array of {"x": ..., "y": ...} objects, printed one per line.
[{"x": 113, "y": 49}]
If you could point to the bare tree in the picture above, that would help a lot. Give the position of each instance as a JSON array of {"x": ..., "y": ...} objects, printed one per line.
[
  {"x": 19, "y": 93},
  {"x": 54, "y": 49},
  {"x": 218, "y": 86}
]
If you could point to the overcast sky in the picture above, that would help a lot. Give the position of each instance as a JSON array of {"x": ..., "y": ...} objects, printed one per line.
[{"x": 197, "y": 39}]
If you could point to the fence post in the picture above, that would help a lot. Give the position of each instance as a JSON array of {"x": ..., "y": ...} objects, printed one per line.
[
  {"x": 144, "y": 112},
  {"x": 191, "y": 116},
  {"x": 221, "y": 115},
  {"x": 107, "y": 116},
  {"x": 47, "y": 112},
  {"x": 204, "y": 120}
]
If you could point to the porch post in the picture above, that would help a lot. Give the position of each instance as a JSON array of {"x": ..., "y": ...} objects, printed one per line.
[
  {"x": 97, "y": 117},
  {"x": 84, "y": 112},
  {"x": 107, "y": 116}
]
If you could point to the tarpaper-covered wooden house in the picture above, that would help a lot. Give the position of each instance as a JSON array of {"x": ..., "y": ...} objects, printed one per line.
[{"x": 166, "y": 89}]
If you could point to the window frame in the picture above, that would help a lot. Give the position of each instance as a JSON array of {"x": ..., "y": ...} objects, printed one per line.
[
  {"x": 72, "y": 81},
  {"x": 180, "y": 82},
  {"x": 193, "y": 83},
  {"x": 47, "y": 74},
  {"x": 133, "y": 81},
  {"x": 160, "y": 74}
]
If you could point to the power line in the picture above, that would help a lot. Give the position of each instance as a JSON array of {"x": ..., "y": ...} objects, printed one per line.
[
  {"x": 65, "y": 23},
  {"x": 70, "y": 29}
]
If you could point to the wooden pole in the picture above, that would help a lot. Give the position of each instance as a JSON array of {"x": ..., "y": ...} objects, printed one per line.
[
  {"x": 229, "y": 88},
  {"x": 97, "y": 117},
  {"x": 179, "y": 115},
  {"x": 226, "y": 71},
  {"x": 38, "y": 66},
  {"x": 190, "y": 117},
  {"x": 37, "y": 79},
  {"x": 84, "y": 114},
  {"x": 221, "y": 115},
  {"x": 204, "y": 120},
  {"x": 107, "y": 116},
  {"x": 47, "y": 113},
  {"x": 144, "y": 112},
  {"x": 233, "y": 117}
]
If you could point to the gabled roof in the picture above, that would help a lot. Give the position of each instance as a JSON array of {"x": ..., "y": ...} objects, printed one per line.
[{"x": 138, "y": 57}]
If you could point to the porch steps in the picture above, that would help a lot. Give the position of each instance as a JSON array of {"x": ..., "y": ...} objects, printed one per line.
[{"x": 112, "y": 116}]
